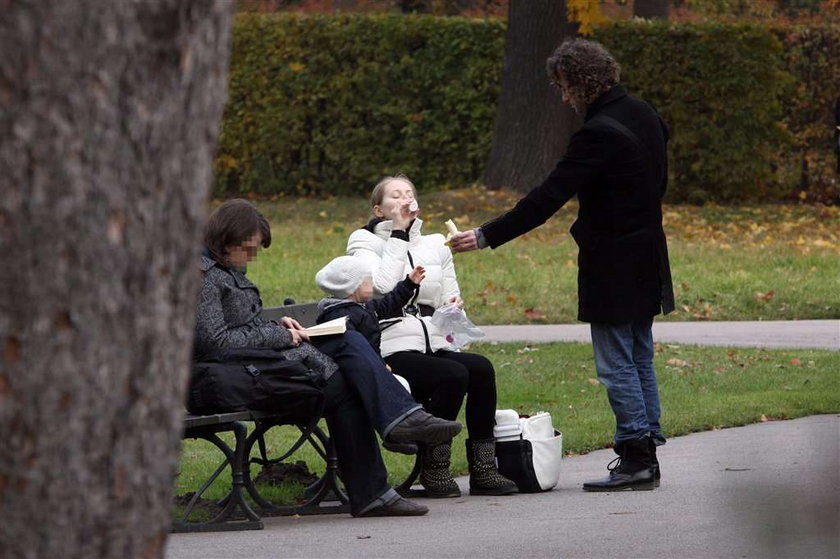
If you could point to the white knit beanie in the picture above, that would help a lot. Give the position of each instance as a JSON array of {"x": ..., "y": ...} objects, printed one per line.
[{"x": 342, "y": 276}]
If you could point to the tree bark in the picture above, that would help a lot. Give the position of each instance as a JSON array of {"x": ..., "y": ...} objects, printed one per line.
[
  {"x": 651, "y": 9},
  {"x": 109, "y": 113},
  {"x": 533, "y": 126}
]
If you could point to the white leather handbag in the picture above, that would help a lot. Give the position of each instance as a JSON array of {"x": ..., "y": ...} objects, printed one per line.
[{"x": 529, "y": 450}]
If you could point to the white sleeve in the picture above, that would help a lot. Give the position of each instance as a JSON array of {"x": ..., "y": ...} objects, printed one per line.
[
  {"x": 450, "y": 286},
  {"x": 387, "y": 259}
]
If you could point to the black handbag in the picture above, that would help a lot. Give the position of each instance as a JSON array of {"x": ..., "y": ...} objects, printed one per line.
[
  {"x": 516, "y": 462},
  {"x": 255, "y": 379},
  {"x": 529, "y": 450}
]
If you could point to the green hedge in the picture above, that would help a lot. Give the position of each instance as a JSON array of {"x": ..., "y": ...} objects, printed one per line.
[
  {"x": 328, "y": 104},
  {"x": 720, "y": 88},
  {"x": 331, "y": 103},
  {"x": 812, "y": 55}
]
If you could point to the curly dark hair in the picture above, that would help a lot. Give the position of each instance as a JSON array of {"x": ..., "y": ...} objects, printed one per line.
[{"x": 588, "y": 68}]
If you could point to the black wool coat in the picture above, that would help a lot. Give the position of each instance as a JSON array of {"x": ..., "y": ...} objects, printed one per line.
[{"x": 617, "y": 166}]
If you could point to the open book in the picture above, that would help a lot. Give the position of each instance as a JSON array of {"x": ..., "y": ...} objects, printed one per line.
[{"x": 336, "y": 326}]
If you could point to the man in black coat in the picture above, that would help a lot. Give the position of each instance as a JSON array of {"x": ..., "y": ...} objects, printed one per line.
[{"x": 617, "y": 166}]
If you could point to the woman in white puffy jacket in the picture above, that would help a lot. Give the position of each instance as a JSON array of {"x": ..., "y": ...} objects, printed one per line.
[{"x": 415, "y": 349}]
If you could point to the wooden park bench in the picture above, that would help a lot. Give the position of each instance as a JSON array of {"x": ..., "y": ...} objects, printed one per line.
[{"x": 236, "y": 513}]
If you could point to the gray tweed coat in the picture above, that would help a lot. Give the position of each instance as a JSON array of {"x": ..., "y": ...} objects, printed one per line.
[{"x": 229, "y": 317}]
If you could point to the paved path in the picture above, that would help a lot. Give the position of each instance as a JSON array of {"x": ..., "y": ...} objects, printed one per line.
[
  {"x": 823, "y": 334},
  {"x": 770, "y": 490},
  {"x": 766, "y": 490}
]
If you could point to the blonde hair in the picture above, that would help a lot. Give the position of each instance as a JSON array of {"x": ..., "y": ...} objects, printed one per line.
[{"x": 379, "y": 190}]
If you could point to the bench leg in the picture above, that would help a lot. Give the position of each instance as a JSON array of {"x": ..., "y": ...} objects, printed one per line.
[
  {"x": 316, "y": 493},
  {"x": 235, "y": 500}
]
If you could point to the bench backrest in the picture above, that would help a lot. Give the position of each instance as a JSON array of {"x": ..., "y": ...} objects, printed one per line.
[{"x": 305, "y": 313}]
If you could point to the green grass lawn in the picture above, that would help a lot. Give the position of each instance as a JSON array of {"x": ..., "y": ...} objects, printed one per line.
[{"x": 770, "y": 262}]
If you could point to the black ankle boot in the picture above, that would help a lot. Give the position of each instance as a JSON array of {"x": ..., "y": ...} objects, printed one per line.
[
  {"x": 655, "y": 463},
  {"x": 435, "y": 476},
  {"x": 633, "y": 469},
  {"x": 485, "y": 478}
]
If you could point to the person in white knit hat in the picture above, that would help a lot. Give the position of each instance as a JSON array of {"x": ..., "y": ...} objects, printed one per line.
[{"x": 348, "y": 282}]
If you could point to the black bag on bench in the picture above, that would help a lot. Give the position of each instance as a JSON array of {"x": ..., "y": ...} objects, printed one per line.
[{"x": 255, "y": 379}]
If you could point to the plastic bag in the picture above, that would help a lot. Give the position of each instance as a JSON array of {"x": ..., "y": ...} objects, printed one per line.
[{"x": 453, "y": 322}]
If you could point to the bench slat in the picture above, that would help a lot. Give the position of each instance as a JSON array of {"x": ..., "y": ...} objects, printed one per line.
[
  {"x": 191, "y": 421},
  {"x": 305, "y": 313}
]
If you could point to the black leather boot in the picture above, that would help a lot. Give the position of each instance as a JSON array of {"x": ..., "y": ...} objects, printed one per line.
[
  {"x": 633, "y": 469},
  {"x": 485, "y": 478},
  {"x": 655, "y": 463},
  {"x": 435, "y": 475}
]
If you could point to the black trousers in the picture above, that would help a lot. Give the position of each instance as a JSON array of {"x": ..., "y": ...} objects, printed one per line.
[{"x": 440, "y": 381}]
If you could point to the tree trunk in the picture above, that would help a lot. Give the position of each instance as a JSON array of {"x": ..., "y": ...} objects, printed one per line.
[
  {"x": 109, "y": 113},
  {"x": 533, "y": 126},
  {"x": 651, "y": 9}
]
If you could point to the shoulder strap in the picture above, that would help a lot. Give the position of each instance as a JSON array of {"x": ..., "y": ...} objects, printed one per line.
[
  {"x": 629, "y": 134},
  {"x": 610, "y": 121}
]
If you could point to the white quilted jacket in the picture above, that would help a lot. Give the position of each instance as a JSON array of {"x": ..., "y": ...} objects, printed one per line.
[{"x": 390, "y": 260}]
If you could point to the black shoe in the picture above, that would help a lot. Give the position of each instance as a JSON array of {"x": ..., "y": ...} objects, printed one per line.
[
  {"x": 619, "y": 481},
  {"x": 398, "y": 507},
  {"x": 655, "y": 463},
  {"x": 422, "y": 427},
  {"x": 401, "y": 448},
  {"x": 633, "y": 469}
]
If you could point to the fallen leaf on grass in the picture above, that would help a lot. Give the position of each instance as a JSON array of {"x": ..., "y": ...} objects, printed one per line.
[
  {"x": 764, "y": 297},
  {"x": 764, "y": 418},
  {"x": 674, "y": 362},
  {"x": 592, "y": 381},
  {"x": 534, "y": 314},
  {"x": 796, "y": 362}
]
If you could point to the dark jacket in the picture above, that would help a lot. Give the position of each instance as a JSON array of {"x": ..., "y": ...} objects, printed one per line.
[
  {"x": 617, "y": 166},
  {"x": 229, "y": 316},
  {"x": 364, "y": 318}
]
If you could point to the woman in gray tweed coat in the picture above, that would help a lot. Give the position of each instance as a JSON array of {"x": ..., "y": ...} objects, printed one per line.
[{"x": 360, "y": 394}]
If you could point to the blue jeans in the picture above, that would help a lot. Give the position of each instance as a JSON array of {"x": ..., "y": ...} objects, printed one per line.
[
  {"x": 356, "y": 447},
  {"x": 624, "y": 361},
  {"x": 384, "y": 399}
]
